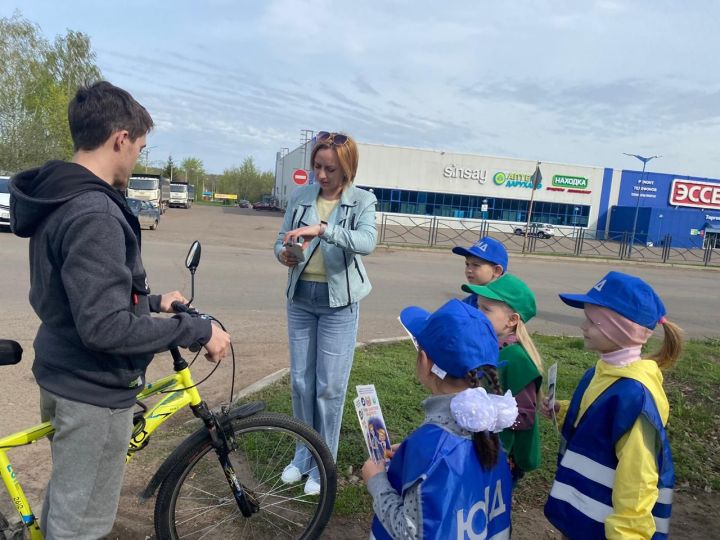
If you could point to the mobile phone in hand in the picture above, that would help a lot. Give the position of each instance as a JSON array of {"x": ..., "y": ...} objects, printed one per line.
[{"x": 296, "y": 250}]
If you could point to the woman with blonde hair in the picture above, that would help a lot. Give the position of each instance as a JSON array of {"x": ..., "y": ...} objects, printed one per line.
[{"x": 334, "y": 222}]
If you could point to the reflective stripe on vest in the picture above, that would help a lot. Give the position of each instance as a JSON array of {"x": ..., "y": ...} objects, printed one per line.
[{"x": 581, "y": 497}]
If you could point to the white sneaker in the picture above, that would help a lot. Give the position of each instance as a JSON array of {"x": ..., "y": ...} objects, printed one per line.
[
  {"x": 291, "y": 474},
  {"x": 312, "y": 487}
]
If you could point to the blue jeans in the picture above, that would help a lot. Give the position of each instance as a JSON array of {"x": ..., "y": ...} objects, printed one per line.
[{"x": 322, "y": 346}]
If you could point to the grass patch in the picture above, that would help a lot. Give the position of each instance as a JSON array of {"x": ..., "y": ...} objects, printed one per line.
[{"x": 692, "y": 387}]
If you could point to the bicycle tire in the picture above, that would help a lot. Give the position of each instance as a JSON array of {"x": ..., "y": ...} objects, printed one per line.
[{"x": 214, "y": 514}]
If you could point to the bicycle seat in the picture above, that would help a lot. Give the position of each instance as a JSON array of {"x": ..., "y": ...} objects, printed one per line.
[{"x": 10, "y": 352}]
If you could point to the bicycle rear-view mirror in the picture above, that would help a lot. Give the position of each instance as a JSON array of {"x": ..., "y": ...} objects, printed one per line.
[
  {"x": 10, "y": 352},
  {"x": 193, "y": 257},
  {"x": 191, "y": 262}
]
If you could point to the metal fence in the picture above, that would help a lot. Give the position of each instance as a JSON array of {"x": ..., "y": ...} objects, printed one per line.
[{"x": 431, "y": 231}]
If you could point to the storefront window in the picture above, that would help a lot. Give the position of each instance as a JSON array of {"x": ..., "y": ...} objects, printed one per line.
[{"x": 470, "y": 206}]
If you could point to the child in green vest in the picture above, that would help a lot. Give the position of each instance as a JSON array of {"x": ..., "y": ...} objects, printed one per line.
[{"x": 509, "y": 303}]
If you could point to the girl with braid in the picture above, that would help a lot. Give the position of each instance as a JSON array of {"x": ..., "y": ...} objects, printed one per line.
[
  {"x": 450, "y": 477},
  {"x": 509, "y": 303}
]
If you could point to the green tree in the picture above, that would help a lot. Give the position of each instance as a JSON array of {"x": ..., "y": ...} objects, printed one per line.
[
  {"x": 194, "y": 172},
  {"x": 246, "y": 181},
  {"x": 38, "y": 79}
]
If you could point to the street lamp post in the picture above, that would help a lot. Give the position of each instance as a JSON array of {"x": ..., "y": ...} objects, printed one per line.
[
  {"x": 637, "y": 205},
  {"x": 484, "y": 208},
  {"x": 660, "y": 216}
]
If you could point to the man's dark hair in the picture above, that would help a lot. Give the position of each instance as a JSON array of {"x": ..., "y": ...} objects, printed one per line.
[{"x": 99, "y": 110}]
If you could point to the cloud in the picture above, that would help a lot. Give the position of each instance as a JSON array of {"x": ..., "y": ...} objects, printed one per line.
[
  {"x": 364, "y": 87},
  {"x": 573, "y": 82}
]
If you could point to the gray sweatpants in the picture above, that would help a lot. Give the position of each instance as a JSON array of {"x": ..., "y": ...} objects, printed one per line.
[{"x": 88, "y": 454}]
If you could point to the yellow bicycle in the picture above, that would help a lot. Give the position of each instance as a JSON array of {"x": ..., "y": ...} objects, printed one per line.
[{"x": 223, "y": 481}]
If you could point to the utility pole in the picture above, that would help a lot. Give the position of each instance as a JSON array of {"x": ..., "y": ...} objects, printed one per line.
[{"x": 147, "y": 155}]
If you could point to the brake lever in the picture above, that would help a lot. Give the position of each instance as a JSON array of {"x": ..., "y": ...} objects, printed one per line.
[{"x": 179, "y": 307}]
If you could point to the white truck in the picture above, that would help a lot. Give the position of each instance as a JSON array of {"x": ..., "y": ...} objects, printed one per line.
[
  {"x": 180, "y": 195},
  {"x": 4, "y": 201},
  {"x": 154, "y": 188}
]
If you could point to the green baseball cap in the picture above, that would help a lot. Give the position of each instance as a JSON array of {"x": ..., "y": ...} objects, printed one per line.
[{"x": 511, "y": 290}]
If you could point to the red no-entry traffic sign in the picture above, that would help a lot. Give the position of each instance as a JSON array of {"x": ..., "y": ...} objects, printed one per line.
[{"x": 300, "y": 176}]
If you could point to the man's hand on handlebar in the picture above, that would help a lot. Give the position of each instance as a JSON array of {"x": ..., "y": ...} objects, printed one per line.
[
  {"x": 219, "y": 343},
  {"x": 218, "y": 346},
  {"x": 167, "y": 299}
]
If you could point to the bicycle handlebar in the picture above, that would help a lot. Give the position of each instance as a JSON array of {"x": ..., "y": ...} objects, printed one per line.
[{"x": 179, "y": 307}]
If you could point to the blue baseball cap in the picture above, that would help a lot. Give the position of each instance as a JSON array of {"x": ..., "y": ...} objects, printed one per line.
[
  {"x": 627, "y": 295},
  {"x": 488, "y": 249},
  {"x": 457, "y": 337}
]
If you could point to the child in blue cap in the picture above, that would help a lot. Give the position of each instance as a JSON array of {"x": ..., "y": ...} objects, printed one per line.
[
  {"x": 485, "y": 261},
  {"x": 449, "y": 478},
  {"x": 615, "y": 472}
]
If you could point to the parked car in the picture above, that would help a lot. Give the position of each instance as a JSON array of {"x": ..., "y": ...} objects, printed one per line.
[
  {"x": 147, "y": 214},
  {"x": 541, "y": 230},
  {"x": 4, "y": 201},
  {"x": 264, "y": 205},
  {"x": 243, "y": 203}
]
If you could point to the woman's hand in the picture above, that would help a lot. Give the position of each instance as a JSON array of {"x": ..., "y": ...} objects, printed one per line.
[
  {"x": 287, "y": 258},
  {"x": 371, "y": 468},
  {"x": 545, "y": 408},
  {"x": 306, "y": 233}
]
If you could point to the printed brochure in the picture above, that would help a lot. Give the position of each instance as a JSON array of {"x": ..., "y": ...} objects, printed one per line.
[{"x": 372, "y": 423}]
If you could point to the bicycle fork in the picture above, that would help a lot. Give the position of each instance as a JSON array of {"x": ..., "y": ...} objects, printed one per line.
[
  {"x": 245, "y": 499},
  {"x": 247, "y": 502}
]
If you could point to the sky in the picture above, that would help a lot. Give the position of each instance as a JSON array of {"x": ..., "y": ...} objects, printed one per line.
[{"x": 576, "y": 82}]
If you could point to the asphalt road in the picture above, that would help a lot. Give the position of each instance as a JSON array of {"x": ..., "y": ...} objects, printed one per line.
[{"x": 241, "y": 283}]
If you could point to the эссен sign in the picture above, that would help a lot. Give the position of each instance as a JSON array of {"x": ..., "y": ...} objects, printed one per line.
[{"x": 695, "y": 194}]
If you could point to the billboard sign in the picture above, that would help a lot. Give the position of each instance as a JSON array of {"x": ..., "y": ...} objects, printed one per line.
[{"x": 695, "y": 194}]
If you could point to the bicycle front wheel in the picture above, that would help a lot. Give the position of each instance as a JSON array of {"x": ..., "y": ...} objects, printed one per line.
[{"x": 196, "y": 502}]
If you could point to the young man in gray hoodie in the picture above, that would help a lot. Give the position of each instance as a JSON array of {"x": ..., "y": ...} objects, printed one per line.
[{"x": 89, "y": 288}]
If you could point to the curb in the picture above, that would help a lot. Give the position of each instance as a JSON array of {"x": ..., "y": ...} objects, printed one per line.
[
  {"x": 361, "y": 344},
  {"x": 261, "y": 384},
  {"x": 271, "y": 379},
  {"x": 549, "y": 257},
  {"x": 257, "y": 386}
]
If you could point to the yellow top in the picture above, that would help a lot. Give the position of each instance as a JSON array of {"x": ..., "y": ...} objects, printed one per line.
[
  {"x": 635, "y": 491},
  {"x": 315, "y": 268}
]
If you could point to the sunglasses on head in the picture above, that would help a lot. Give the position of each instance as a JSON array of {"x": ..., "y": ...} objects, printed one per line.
[{"x": 333, "y": 138}]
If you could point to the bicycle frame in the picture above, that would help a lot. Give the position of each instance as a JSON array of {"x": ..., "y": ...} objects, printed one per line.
[{"x": 152, "y": 418}]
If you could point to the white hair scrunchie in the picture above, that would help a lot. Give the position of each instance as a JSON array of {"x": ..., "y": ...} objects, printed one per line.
[{"x": 475, "y": 410}]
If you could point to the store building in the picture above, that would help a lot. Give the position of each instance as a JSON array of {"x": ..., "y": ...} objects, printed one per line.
[
  {"x": 466, "y": 186},
  {"x": 430, "y": 182},
  {"x": 679, "y": 209}
]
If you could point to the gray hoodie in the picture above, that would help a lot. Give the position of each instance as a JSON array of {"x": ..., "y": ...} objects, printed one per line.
[{"x": 89, "y": 288}]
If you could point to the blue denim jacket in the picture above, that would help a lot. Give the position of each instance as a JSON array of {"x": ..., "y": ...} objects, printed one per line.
[{"x": 350, "y": 233}]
